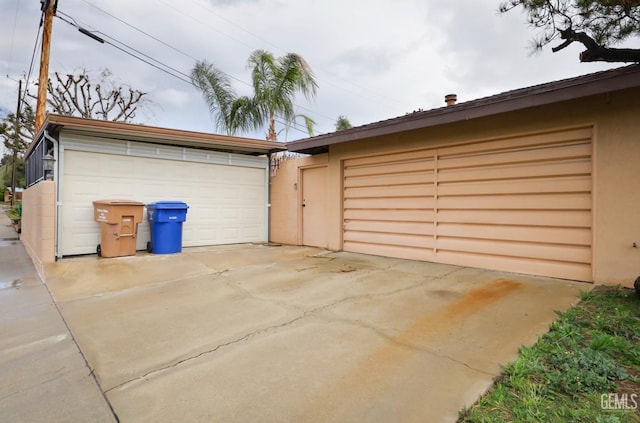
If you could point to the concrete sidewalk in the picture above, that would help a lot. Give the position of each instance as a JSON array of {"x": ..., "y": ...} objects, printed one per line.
[{"x": 43, "y": 375}]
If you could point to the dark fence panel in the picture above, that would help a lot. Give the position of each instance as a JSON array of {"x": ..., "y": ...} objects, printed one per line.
[{"x": 34, "y": 168}]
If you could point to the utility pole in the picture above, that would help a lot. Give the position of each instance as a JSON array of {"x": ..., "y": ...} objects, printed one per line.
[
  {"x": 16, "y": 142},
  {"x": 49, "y": 8}
]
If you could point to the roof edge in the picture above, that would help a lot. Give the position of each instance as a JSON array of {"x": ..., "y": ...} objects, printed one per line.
[
  {"x": 156, "y": 134},
  {"x": 518, "y": 99}
]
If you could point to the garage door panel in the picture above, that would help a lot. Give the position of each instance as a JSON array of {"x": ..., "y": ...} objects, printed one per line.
[
  {"x": 560, "y": 218},
  {"x": 559, "y": 169},
  {"x": 391, "y": 251},
  {"x": 417, "y": 228},
  {"x": 391, "y": 215},
  {"x": 543, "y": 139},
  {"x": 521, "y": 204},
  {"x": 538, "y": 154},
  {"x": 555, "y": 269},
  {"x": 383, "y": 203},
  {"x": 575, "y": 254},
  {"x": 389, "y": 168},
  {"x": 564, "y": 236},
  {"x": 391, "y": 192},
  {"x": 210, "y": 190},
  {"x": 419, "y": 241},
  {"x": 387, "y": 180},
  {"x": 404, "y": 157},
  {"x": 240, "y": 176},
  {"x": 527, "y": 186}
]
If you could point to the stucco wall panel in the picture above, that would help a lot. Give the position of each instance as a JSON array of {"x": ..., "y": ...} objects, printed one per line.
[
  {"x": 284, "y": 199},
  {"x": 617, "y": 219},
  {"x": 38, "y": 223}
]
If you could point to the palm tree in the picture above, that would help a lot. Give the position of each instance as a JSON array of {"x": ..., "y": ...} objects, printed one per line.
[
  {"x": 343, "y": 123},
  {"x": 275, "y": 83}
]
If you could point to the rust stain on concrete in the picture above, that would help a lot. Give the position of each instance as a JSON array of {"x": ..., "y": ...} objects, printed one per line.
[
  {"x": 374, "y": 374},
  {"x": 436, "y": 324},
  {"x": 478, "y": 298}
]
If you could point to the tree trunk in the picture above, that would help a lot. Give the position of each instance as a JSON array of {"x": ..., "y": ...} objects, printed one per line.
[
  {"x": 272, "y": 135},
  {"x": 604, "y": 54},
  {"x": 596, "y": 52}
]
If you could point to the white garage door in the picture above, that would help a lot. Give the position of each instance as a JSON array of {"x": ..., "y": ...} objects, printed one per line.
[
  {"x": 520, "y": 204},
  {"x": 226, "y": 202}
]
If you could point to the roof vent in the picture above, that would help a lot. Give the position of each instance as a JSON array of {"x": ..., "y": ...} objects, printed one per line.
[{"x": 450, "y": 99}]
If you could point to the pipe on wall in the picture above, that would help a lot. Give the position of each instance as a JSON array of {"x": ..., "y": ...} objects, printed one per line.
[{"x": 57, "y": 179}]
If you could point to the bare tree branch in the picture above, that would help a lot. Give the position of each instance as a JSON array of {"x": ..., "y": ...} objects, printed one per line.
[
  {"x": 75, "y": 95},
  {"x": 596, "y": 24}
]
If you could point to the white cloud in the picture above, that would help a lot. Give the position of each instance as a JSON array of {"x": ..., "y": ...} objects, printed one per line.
[{"x": 374, "y": 59}]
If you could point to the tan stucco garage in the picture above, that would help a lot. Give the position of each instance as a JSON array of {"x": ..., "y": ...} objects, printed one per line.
[{"x": 540, "y": 180}]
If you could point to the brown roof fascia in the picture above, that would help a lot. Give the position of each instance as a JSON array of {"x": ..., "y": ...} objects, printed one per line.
[
  {"x": 523, "y": 98},
  {"x": 143, "y": 133}
]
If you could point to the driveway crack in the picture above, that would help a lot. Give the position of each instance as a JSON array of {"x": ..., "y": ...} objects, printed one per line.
[
  {"x": 210, "y": 351},
  {"x": 381, "y": 333},
  {"x": 230, "y": 282}
]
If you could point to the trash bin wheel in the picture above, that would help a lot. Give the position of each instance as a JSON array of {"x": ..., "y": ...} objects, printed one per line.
[
  {"x": 99, "y": 250},
  {"x": 148, "y": 246}
]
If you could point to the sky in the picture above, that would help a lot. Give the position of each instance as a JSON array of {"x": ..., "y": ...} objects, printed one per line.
[{"x": 373, "y": 59}]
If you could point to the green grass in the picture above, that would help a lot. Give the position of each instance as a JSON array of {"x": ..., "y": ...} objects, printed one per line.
[
  {"x": 591, "y": 350},
  {"x": 13, "y": 214}
]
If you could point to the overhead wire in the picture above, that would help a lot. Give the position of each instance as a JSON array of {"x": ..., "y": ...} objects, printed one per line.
[
  {"x": 264, "y": 40},
  {"x": 177, "y": 10},
  {"x": 145, "y": 58},
  {"x": 206, "y": 24},
  {"x": 139, "y": 30},
  {"x": 33, "y": 57},
  {"x": 125, "y": 49},
  {"x": 13, "y": 33},
  {"x": 33, "y": 54}
]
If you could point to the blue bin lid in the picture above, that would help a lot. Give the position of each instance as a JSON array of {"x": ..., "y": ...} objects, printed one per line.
[{"x": 167, "y": 205}]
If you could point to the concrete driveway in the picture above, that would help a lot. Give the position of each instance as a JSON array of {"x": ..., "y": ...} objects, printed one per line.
[{"x": 252, "y": 333}]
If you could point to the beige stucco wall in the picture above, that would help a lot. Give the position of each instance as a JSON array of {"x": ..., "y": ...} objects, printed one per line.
[
  {"x": 38, "y": 223},
  {"x": 617, "y": 194},
  {"x": 285, "y": 209},
  {"x": 616, "y": 158}
]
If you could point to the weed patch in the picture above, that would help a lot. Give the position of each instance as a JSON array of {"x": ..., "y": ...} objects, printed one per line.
[{"x": 586, "y": 368}]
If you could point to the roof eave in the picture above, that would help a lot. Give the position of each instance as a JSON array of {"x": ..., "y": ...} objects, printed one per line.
[
  {"x": 157, "y": 135},
  {"x": 570, "y": 89}
]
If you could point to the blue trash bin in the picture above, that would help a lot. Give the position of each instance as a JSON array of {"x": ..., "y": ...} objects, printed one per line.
[{"x": 165, "y": 221}]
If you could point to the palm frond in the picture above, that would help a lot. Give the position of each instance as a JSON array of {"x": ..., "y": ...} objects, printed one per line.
[
  {"x": 246, "y": 114},
  {"x": 217, "y": 91},
  {"x": 275, "y": 83}
]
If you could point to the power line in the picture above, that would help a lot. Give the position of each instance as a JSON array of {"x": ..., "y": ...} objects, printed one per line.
[
  {"x": 126, "y": 49},
  {"x": 229, "y": 21},
  {"x": 140, "y": 31},
  {"x": 207, "y": 25},
  {"x": 13, "y": 33},
  {"x": 145, "y": 58},
  {"x": 33, "y": 56},
  {"x": 359, "y": 88}
]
